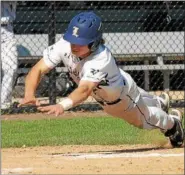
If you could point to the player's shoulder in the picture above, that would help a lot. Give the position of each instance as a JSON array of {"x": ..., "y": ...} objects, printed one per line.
[
  {"x": 62, "y": 41},
  {"x": 102, "y": 55},
  {"x": 62, "y": 45},
  {"x": 101, "y": 59}
]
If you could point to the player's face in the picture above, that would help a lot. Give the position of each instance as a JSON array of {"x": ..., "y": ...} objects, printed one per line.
[{"x": 80, "y": 51}]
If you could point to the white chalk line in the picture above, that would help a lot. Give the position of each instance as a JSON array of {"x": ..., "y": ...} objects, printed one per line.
[
  {"x": 16, "y": 170},
  {"x": 118, "y": 155}
]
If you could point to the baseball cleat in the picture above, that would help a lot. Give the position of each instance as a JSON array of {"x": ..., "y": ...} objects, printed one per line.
[
  {"x": 164, "y": 101},
  {"x": 176, "y": 134}
]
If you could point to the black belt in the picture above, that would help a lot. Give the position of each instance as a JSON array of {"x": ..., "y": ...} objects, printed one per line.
[{"x": 109, "y": 103}]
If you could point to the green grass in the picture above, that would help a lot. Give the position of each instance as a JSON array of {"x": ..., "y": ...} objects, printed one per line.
[{"x": 86, "y": 131}]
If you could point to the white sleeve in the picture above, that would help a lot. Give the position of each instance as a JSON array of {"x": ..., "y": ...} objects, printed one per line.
[
  {"x": 94, "y": 73},
  {"x": 52, "y": 55}
]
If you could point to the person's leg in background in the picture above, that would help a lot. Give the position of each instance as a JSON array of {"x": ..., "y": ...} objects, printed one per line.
[{"x": 9, "y": 57}]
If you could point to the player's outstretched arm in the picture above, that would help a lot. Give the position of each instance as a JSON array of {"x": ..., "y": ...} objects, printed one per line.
[
  {"x": 32, "y": 81},
  {"x": 83, "y": 91},
  {"x": 79, "y": 95}
]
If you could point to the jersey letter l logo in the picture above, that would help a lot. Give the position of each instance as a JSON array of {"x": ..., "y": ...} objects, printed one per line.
[{"x": 75, "y": 31}]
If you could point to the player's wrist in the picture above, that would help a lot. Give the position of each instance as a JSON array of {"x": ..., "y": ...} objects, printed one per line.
[
  {"x": 66, "y": 104},
  {"x": 29, "y": 95},
  {"x": 30, "y": 98}
]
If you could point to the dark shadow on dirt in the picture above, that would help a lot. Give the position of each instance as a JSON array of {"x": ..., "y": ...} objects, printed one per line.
[{"x": 135, "y": 150}]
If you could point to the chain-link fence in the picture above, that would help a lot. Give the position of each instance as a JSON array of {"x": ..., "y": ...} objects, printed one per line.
[{"x": 146, "y": 38}]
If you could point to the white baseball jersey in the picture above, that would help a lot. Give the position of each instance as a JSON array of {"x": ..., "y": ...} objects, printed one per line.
[
  {"x": 117, "y": 92},
  {"x": 99, "y": 67}
]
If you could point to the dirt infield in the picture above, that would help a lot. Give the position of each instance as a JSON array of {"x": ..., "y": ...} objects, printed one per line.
[
  {"x": 121, "y": 159},
  {"x": 88, "y": 159}
]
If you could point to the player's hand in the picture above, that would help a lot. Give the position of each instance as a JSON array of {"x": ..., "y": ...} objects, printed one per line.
[
  {"x": 29, "y": 101},
  {"x": 52, "y": 109}
]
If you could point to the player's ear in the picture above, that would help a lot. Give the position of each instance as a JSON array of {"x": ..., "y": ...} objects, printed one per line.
[{"x": 94, "y": 45}]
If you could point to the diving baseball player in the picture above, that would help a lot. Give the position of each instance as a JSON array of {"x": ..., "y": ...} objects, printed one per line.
[
  {"x": 9, "y": 61},
  {"x": 93, "y": 67}
]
